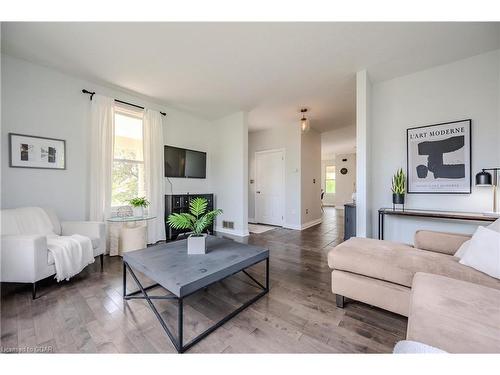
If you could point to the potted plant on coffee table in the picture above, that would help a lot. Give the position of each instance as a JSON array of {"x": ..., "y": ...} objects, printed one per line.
[
  {"x": 138, "y": 205},
  {"x": 197, "y": 220},
  {"x": 398, "y": 188}
]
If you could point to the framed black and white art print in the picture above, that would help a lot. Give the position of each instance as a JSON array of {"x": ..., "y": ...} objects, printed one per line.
[
  {"x": 439, "y": 158},
  {"x": 29, "y": 151}
]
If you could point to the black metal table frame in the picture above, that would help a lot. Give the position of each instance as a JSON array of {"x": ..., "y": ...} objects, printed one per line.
[
  {"x": 382, "y": 212},
  {"x": 178, "y": 341}
]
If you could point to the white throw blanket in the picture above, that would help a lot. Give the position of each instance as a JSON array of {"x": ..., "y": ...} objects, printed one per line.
[{"x": 71, "y": 253}]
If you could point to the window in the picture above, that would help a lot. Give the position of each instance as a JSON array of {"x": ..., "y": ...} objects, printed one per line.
[
  {"x": 128, "y": 158},
  {"x": 330, "y": 179}
]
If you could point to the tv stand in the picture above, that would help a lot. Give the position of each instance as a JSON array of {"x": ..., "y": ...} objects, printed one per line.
[{"x": 179, "y": 203}]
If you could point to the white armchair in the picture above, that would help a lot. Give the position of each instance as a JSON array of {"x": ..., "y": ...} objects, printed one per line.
[{"x": 25, "y": 257}]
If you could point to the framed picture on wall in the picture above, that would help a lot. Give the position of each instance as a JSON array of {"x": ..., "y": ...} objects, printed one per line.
[
  {"x": 439, "y": 158},
  {"x": 29, "y": 151}
]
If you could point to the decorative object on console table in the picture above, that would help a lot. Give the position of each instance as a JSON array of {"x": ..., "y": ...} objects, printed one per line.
[
  {"x": 124, "y": 211},
  {"x": 439, "y": 158},
  {"x": 398, "y": 189},
  {"x": 197, "y": 221},
  {"x": 349, "y": 221},
  {"x": 30, "y": 151},
  {"x": 179, "y": 203},
  {"x": 138, "y": 205},
  {"x": 485, "y": 178}
]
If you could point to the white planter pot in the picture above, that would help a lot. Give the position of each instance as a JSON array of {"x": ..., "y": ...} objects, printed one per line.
[
  {"x": 197, "y": 245},
  {"x": 138, "y": 211}
]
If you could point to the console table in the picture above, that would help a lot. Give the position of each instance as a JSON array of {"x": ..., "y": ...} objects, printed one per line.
[{"x": 433, "y": 214}]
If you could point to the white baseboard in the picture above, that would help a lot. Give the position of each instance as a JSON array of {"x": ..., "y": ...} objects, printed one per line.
[
  {"x": 234, "y": 232},
  {"x": 303, "y": 226},
  {"x": 292, "y": 226},
  {"x": 251, "y": 220},
  {"x": 311, "y": 223}
]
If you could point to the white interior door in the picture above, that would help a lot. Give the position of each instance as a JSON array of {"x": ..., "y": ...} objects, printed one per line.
[{"x": 269, "y": 187}]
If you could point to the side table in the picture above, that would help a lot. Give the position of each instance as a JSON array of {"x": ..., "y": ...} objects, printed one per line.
[{"x": 132, "y": 235}]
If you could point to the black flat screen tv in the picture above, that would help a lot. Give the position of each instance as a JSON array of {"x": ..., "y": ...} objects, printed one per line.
[{"x": 183, "y": 163}]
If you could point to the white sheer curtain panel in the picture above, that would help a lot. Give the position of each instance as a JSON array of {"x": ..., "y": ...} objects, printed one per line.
[
  {"x": 101, "y": 156},
  {"x": 154, "y": 172}
]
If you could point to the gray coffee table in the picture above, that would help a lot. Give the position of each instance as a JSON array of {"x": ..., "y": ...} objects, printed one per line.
[{"x": 170, "y": 267}]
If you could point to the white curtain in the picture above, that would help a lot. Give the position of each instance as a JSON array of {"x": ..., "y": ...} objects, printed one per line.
[
  {"x": 154, "y": 172},
  {"x": 101, "y": 156}
]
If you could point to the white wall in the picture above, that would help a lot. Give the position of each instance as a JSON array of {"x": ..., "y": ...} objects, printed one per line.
[
  {"x": 344, "y": 184},
  {"x": 41, "y": 101},
  {"x": 231, "y": 173},
  {"x": 338, "y": 141},
  {"x": 328, "y": 199},
  {"x": 363, "y": 149},
  {"x": 287, "y": 138},
  {"x": 464, "y": 89},
  {"x": 182, "y": 130},
  {"x": 310, "y": 154}
]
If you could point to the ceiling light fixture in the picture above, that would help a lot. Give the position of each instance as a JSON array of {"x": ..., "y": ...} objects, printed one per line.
[{"x": 304, "y": 122}]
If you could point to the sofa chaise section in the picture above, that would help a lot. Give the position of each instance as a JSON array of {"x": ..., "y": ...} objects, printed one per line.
[
  {"x": 454, "y": 315},
  {"x": 381, "y": 273}
]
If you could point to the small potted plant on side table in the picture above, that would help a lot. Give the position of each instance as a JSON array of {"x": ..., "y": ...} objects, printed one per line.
[
  {"x": 138, "y": 205},
  {"x": 196, "y": 221},
  {"x": 398, "y": 189}
]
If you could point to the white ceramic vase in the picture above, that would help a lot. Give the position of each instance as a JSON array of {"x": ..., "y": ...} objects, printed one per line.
[
  {"x": 138, "y": 211},
  {"x": 197, "y": 244}
]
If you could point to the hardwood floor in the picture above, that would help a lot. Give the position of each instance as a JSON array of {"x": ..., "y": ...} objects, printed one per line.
[{"x": 88, "y": 315}]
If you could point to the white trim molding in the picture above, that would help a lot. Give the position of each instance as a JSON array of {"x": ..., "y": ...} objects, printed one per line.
[
  {"x": 234, "y": 232},
  {"x": 309, "y": 224}
]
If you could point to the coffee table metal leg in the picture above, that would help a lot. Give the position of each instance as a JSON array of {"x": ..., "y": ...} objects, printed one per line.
[
  {"x": 124, "y": 279},
  {"x": 180, "y": 324},
  {"x": 267, "y": 274},
  {"x": 147, "y": 298}
]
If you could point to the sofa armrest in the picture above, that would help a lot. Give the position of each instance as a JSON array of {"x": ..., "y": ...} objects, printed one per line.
[
  {"x": 439, "y": 242},
  {"x": 91, "y": 229},
  {"x": 23, "y": 257}
]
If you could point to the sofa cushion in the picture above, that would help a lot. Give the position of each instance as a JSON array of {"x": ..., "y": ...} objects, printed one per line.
[
  {"x": 440, "y": 242},
  {"x": 56, "y": 225},
  {"x": 483, "y": 252},
  {"x": 398, "y": 263},
  {"x": 454, "y": 315},
  {"x": 95, "y": 245}
]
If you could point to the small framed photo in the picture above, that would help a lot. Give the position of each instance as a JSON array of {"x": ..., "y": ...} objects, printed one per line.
[
  {"x": 439, "y": 158},
  {"x": 30, "y": 151}
]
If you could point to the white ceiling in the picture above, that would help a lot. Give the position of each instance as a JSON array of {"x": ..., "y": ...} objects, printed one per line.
[
  {"x": 338, "y": 141},
  {"x": 267, "y": 69}
]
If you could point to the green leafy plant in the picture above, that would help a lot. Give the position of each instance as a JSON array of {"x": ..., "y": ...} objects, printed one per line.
[
  {"x": 196, "y": 220},
  {"x": 398, "y": 182},
  {"x": 139, "y": 202}
]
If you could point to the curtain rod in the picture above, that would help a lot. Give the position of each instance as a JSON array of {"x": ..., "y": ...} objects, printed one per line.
[{"x": 92, "y": 93}]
